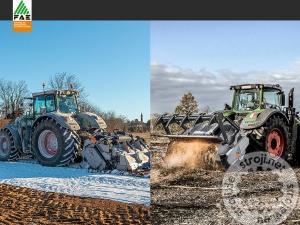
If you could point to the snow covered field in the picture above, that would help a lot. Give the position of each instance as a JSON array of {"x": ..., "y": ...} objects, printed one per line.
[{"x": 78, "y": 182}]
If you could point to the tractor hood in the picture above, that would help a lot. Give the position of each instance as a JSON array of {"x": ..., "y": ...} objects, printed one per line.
[
  {"x": 88, "y": 121},
  {"x": 249, "y": 121},
  {"x": 245, "y": 119},
  {"x": 257, "y": 118}
]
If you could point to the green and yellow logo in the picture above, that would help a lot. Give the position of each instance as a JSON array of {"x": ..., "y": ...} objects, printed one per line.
[
  {"x": 21, "y": 12},
  {"x": 22, "y": 9},
  {"x": 22, "y": 15}
]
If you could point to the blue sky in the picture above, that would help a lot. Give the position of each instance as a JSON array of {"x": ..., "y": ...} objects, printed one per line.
[
  {"x": 110, "y": 58},
  {"x": 206, "y": 57}
]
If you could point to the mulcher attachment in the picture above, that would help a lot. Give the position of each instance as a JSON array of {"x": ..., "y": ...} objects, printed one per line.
[
  {"x": 117, "y": 150},
  {"x": 211, "y": 130}
]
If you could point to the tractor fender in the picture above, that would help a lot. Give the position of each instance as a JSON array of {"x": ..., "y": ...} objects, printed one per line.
[
  {"x": 13, "y": 130},
  {"x": 261, "y": 119},
  {"x": 61, "y": 120}
]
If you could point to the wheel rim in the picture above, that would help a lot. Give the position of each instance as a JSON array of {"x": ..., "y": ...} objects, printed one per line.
[
  {"x": 48, "y": 144},
  {"x": 276, "y": 143},
  {"x": 4, "y": 145}
]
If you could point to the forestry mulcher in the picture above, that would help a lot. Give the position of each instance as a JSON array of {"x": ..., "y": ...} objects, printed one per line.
[
  {"x": 257, "y": 120},
  {"x": 56, "y": 133}
]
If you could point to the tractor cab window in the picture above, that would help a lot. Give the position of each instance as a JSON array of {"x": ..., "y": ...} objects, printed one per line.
[
  {"x": 41, "y": 106},
  {"x": 50, "y": 103},
  {"x": 271, "y": 97},
  {"x": 247, "y": 99},
  {"x": 67, "y": 103}
]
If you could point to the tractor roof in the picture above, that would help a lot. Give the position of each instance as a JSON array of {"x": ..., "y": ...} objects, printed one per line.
[
  {"x": 55, "y": 92},
  {"x": 251, "y": 86}
]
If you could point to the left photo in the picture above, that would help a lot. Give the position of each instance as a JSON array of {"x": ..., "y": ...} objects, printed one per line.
[{"x": 74, "y": 123}]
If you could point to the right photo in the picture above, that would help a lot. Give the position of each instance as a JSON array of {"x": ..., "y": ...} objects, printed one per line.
[{"x": 225, "y": 127}]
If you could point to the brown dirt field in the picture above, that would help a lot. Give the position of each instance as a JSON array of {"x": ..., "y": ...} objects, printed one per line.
[
  {"x": 27, "y": 206},
  {"x": 193, "y": 196}
]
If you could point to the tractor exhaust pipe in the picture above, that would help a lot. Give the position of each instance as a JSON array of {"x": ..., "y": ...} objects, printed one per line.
[
  {"x": 291, "y": 98},
  {"x": 291, "y": 111}
]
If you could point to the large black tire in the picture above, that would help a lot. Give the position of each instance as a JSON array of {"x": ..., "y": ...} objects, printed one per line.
[
  {"x": 8, "y": 149},
  {"x": 277, "y": 137},
  {"x": 63, "y": 144}
]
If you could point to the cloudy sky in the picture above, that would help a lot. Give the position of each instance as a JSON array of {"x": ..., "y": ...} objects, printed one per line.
[{"x": 206, "y": 57}]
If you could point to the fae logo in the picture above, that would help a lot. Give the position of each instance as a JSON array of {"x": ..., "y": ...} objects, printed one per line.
[{"x": 22, "y": 16}]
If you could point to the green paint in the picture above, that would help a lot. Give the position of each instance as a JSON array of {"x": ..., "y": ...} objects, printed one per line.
[
  {"x": 18, "y": 8},
  {"x": 21, "y": 9}
]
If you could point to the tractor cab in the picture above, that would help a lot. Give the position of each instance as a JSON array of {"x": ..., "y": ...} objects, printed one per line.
[
  {"x": 256, "y": 97},
  {"x": 62, "y": 101}
]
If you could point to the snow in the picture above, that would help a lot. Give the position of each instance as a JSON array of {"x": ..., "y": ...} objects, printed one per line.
[{"x": 77, "y": 182}]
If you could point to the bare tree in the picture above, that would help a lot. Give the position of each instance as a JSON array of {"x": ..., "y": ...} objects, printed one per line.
[
  {"x": 188, "y": 104},
  {"x": 87, "y": 106},
  {"x": 12, "y": 97},
  {"x": 115, "y": 122},
  {"x": 64, "y": 80}
]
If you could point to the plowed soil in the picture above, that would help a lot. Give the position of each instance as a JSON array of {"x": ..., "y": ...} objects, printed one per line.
[
  {"x": 27, "y": 206},
  {"x": 193, "y": 196}
]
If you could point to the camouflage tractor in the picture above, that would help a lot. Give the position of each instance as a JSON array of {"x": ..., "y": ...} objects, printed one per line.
[
  {"x": 55, "y": 130},
  {"x": 257, "y": 120}
]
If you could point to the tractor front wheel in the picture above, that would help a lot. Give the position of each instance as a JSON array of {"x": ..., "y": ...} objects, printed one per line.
[
  {"x": 277, "y": 138},
  {"x": 53, "y": 145}
]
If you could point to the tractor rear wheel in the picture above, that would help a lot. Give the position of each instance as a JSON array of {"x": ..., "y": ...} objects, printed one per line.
[
  {"x": 8, "y": 150},
  {"x": 277, "y": 141},
  {"x": 53, "y": 145}
]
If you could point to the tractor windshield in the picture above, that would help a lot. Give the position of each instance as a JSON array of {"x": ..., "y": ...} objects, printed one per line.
[
  {"x": 246, "y": 100},
  {"x": 67, "y": 103}
]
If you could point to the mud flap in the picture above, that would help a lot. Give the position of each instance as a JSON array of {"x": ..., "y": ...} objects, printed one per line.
[{"x": 229, "y": 154}]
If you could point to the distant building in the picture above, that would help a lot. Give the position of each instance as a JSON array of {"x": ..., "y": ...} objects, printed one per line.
[{"x": 138, "y": 125}]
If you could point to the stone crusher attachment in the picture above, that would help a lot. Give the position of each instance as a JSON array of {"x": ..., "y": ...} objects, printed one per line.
[
  {"x": 207, "y": 140},
  {"x": 117, "y": 150}
]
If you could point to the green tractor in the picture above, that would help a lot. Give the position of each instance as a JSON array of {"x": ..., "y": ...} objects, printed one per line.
[
  {"x": 257, "y": 120},
  {"x": 52, "y": 132}
]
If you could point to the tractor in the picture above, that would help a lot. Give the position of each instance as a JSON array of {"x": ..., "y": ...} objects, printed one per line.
[
  {"x": 256, "y": 120},
  {"x": 54, "y": 132}
]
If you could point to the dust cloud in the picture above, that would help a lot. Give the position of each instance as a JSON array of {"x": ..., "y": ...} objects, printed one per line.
[{"x": 191, "y": 154}]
